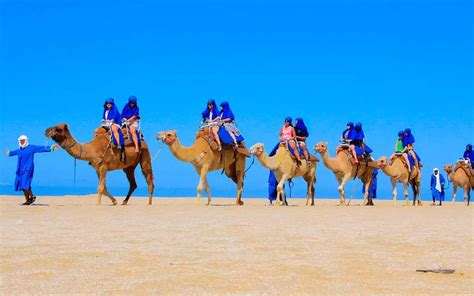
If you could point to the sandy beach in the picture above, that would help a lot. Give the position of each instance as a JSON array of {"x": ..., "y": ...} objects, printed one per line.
[{"x": 70, "y": 245}]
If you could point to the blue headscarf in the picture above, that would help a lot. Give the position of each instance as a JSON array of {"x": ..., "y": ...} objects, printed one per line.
[
  {"x": 358, "y": 132},
  {"x": 128, "y": 111},
  {"x": 469, "y": 153},
  {"x": 408, "y": 138},
  {"x": 348, "y": 134},
  {"x": 300, "y": 128},
  {"x": 289, "y": 119},
  {"x": 400, "y": 133},
  {"x": 215, "y": 111},
  {"x": 113, "y": 112},
  {"x": 226, "y": 111}
]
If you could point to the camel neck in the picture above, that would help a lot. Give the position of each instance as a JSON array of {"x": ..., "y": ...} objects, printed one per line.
[
  {"x": 268, "y": 162},
  {"x": 77, "y": 150},
  {"x": 328, "y": 161},
  {"x": 186, "y": 154}
]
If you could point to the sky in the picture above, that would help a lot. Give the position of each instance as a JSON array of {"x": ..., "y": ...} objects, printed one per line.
[{"x": 387, "y": 64}]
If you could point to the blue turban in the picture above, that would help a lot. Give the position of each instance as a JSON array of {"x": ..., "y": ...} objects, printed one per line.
[
  {"x": 349, "y": 134},
  {"x": 400, "y": 133},
  {"x": 300, "y": 128},
  {"x": 226, "y": 111},
  {"x": 215, "y": 111},
  {"x": 128, "y": 111}
]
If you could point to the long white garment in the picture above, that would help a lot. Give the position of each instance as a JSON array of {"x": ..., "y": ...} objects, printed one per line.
[{"x": 438, "y": 183}]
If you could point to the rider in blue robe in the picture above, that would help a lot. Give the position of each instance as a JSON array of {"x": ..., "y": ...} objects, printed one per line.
[
  {"x": 111, "y": 118},
  {"x": 130, "y": 117},
  {"x": 25, "y": 166},
  {"x": 468, "y": 155},
  {"x": 408, "y": 144},
  {"x": 228, "y": 123},
  {"x": 211, "y": 112},
  {"x": 302, "y": 134},
  {"x": 358, "y": 140}
]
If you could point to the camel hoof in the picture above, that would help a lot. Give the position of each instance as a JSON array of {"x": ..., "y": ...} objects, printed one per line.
[{"x": 124, "y": 203}]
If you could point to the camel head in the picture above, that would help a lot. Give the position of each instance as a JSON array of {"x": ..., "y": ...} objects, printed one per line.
[
  {"x": 321, "y": 147},
  {"x": 448, "y": 168},
  {"x": 382, "y": 162},
  {"x": 59, "y": 133},
  {"x": 168, "y": 137},
  {"x": 257, "y": 149}
]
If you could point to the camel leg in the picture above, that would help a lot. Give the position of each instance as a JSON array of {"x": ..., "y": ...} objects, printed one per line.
[
  {"x": 413, "y": 187},
  {"x": 455, "y": 189},
  {"x": 405, "y": 192},
  {"x": 130, "y": 172},
  {"x": 342, "y": 193},
  {"x": 202, "y": 178},
  {"x": 418, "y": 193},
  {"x": 465, "y": 189},
  {"x": 366, "y": 195},
  {"x": 208, "y": 191},
  {"x": 240, "y": 187},
  {"x": 145, "y": 164},
  {"x": 281, "y": 191},
  {"x": 102, "y": 189},
  {"x": 394, "y": 191}
]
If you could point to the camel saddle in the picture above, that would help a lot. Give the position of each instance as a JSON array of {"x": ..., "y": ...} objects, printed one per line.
[
  {"x": 362, "y": 160},
  {"x": 465, "y": 167},
  {"x": 126, "y": 137},
  {"x": 312, "y": 157},
  {"x": 206, "y": 135}
]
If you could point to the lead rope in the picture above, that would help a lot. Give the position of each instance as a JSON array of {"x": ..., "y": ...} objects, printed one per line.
[
  {"x": 353, "y": 190},
  {"x": 251, "y": 164},
  {"x": 158, "y": 152}
]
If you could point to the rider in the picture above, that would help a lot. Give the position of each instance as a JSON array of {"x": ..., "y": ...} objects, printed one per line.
[
  {"x": 399, "y": 149},
  {"x": 408, "y": 141},
  {"x": 302, "y": 134},
  {"x": 211, "y": 116},
  {"x": 359, "y": 138},
  {"x": 347, "y": 137},
  {"x": 228, "y": 119},
  {"x": 288, "y": 134},
  {"x": 468, "y": 155},
  {"x": 111, "y": 118},
  {"x": 130, "y": 117}
]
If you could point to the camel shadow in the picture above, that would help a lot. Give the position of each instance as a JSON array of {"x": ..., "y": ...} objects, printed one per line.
[{"x": 39, "y": 205}]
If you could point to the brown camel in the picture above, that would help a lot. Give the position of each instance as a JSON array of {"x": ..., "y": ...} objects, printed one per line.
[
  {"x": 344, "y": 170},
  {"x": 461, "y": 176},
  {"x": 205, "y": 160},
  {"x": 284, "y": 167},
  {"x": 398, "y": 172},
  {"x": 104, "y": 157}
]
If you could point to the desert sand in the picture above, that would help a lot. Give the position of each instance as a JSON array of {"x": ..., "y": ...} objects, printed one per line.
[{"x": 68, "y": 244}]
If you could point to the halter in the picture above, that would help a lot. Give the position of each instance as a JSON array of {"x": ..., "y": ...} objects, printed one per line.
[{"x": 72, "y": 145}]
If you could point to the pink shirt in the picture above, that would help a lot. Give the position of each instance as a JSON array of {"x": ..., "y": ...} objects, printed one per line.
[{"x": 286, "y": 133}]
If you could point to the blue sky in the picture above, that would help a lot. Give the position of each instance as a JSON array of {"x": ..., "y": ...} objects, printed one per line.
[{"x": 388, "y": 64}]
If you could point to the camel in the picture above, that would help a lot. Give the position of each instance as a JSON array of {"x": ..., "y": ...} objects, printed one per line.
[
  {"x": 461, "y": 176},
  {"x": 103, "y": 157},
  {"x": 344, "y": 170},
  {"x": 398, "y": 172},
  {"x": 284, "y": 167},
  {"x": 205, "y": 160}
]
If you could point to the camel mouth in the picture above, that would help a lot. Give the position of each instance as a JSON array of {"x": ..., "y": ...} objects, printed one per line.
[{"x": 57, "y": 133}]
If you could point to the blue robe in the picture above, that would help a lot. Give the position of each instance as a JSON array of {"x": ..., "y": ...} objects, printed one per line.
[
  {"x": 128, "y": 112},
  {"x": 25, "y": 166},
  {"x": 113, "y": 114},
  {"x": 373, "y": 185},
  {"x": 437, "y": 194},
  {"x": 272, "y": 181},
  {"x": 215, "y": 111},
  {"x": 469, "y": 155}
]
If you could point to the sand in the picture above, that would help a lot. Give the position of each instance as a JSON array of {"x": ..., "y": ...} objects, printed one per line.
[{"x": 70, "y": 245}]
